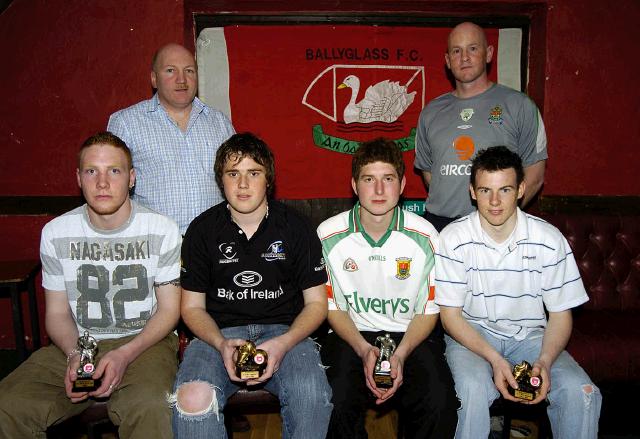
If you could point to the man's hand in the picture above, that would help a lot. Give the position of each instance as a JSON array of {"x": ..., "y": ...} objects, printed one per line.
[
  {"x": 69, "y": 378},
  {"x": 369, "y": 355},
  {"x": 541, "y": 370},
  {"x": 110, "y": 370},
  {"x": 503, "y": 378},
  {"x": 276, "y": 350},
  {"x": 228, "y": 351},
  {"x": 397, "y": 366}
]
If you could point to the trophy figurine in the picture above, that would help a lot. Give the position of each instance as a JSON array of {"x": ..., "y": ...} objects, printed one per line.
[
  {"x": 382, "y": 371},
  {"x": 528, "y": 385},
  {"x": 251, "y": 362},
  {"x": 87, "y": 347}
]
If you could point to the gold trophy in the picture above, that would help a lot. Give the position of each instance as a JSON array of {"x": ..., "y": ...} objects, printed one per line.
[
  {"x": 88, "y": 348},
  {"x": 528, "y": 385},
  {"x": 251, "y": 362},
  {"x": 382, "y": 371}
]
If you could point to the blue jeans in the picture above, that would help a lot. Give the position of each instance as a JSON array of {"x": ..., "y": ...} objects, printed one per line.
[
  {"x": 300, "y": 383},
  {"x": 574, "y": 401}
]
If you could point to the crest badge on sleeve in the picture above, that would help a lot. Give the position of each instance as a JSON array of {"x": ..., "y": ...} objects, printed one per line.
[{"x": 350, "y": 265}]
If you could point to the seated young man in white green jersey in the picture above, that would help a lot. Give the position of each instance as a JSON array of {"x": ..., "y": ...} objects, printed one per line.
[{"x": 380, "y": 261}]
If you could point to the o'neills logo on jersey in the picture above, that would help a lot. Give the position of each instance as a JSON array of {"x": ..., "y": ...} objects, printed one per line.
[
  {"x": 403, "y": 266},
  {"x": 274, "y": 252},
  {"x": 228, "y": 250},
  {"x": 350, "y": 265}
]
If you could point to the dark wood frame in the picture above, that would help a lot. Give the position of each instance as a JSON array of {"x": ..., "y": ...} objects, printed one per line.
[{"x": 530, "y": 15}]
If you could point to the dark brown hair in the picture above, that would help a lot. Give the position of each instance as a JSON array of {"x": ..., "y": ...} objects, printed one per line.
[
  {"x": 377, "y": 150},
  {"x": 497, "y": 158},
  {"x": 245, "y": 145}
]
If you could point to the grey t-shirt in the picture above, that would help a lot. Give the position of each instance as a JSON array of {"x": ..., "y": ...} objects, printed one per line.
[{"x": 452, "y": 130}]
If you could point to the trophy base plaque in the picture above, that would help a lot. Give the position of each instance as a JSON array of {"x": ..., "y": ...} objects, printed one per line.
[
  {"x": 383, "y": 380},
  {"x": 248, "y": 373},
  {"x": 85, "y": 385},
  {"x": 523, "y": 394}
]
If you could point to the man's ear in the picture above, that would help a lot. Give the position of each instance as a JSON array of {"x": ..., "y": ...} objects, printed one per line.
[
  {"x": 447, "y": 60},
  {"x": 489, "y": 54},
  {"x": 132, "y": 178},
  {"x": 78, "y": 178},
  {"x": 521, "y": 189},
  {"x": 154, "y": 79},
  {"x": 354, "y": 186},
  {"x": 403, "y": 182},
  {"x": 472, "y": 192}
]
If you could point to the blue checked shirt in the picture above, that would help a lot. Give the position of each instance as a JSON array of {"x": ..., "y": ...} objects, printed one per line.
[{"x": 174, "y": 169}]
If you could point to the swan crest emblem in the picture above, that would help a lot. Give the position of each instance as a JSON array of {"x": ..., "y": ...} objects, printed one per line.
[{"x": 382, "y": 102}]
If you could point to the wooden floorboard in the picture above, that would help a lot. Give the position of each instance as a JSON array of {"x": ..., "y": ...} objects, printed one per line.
[{"x": 379, "y": 426}]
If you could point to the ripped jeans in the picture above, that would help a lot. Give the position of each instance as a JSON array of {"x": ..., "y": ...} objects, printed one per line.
[
  {"x": 300, "y": 383},
  {"x": 574, "y": 401}
]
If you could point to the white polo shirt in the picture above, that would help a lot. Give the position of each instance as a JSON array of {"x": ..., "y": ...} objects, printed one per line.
[
  {"x": 384, "y": 284},
  {"x": 506, "y": 287}
]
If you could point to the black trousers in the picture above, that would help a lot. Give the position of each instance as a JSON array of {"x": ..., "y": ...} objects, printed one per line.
[{"x": 426, "y": 400}]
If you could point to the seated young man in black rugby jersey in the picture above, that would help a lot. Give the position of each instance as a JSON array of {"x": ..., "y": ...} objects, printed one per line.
[{"x": 252, "y": 270}]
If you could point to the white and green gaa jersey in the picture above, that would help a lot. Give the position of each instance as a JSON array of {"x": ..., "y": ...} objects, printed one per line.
[
  {"x": 383, "y": 284},
  {"x": 109, "y": 275}
]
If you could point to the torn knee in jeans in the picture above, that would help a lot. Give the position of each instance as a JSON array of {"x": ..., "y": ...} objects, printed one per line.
[
  {"x": 196, "y": 399},
  {"x": 587, "y": 388},
  {"x": 589, "y": 393}
]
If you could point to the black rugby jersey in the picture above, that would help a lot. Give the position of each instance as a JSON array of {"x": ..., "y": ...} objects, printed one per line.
[{"x": 252, "y": 281}]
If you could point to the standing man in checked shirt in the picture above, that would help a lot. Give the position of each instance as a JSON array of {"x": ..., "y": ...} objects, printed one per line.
[{"x": 173, "y": 138}]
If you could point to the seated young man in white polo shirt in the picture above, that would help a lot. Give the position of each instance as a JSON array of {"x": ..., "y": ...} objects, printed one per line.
[{"x": 497, "y": 271}]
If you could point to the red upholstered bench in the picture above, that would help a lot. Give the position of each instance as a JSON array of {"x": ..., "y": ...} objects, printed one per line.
[{"x": 606, "y": 338}]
